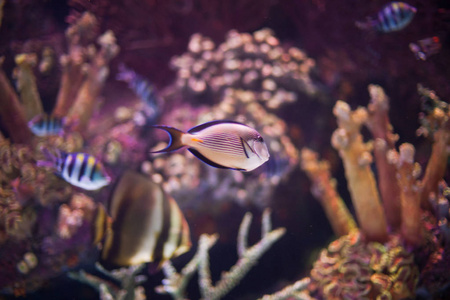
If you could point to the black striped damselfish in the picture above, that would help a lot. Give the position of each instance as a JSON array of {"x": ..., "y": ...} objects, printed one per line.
[
  {"x": 144, "y": 224},
  {"x": 221, "y": 144},
  {"x": 79, "y": 169},
  {"x": 393, "y": 16},
  {"x": 44, "y": 125}
]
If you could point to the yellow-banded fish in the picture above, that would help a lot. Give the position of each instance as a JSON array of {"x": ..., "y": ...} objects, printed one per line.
[
  {"x": 79, "y": 169},
  {"x": 146, "y": 225},
  {"x": 393, "y": 16},
  {"x": 221, "y": 144},
  {"x": 44, "y": 125}
]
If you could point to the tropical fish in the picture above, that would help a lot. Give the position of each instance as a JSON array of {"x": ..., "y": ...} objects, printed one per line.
[
  {"x": 145, "y": 224},
  {"x": 145, "y": 91},
  {"x": 393, "y": 16},
  {"x": 425, "y": 48},
  {"x": 79, "y": 169},
  {"x": 221, "y": 144},
  {"x": 44, "y": 125}
]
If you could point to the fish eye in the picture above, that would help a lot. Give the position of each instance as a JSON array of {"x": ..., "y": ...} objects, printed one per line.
[{"x": 259, "y": 138}]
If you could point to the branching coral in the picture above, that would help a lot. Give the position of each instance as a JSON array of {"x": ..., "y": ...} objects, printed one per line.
[
  {"x": 360, "y": 179},
  {"x": 127, "y": 277},
  {"x": 372, "y": 262},
  {"x": 175, "y": 283}
]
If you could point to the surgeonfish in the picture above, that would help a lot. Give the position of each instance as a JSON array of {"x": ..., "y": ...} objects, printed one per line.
[
  {"x": 79, "y": 169},
  {"x": 394, "y": 16},
  {"x": 146, "y": 224},
  {"x": 44, "y": 125},
  {"x": 221, "y": 144}
]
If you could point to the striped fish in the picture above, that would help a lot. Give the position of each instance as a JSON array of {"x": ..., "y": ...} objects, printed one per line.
[
  {"x": 79, "y": 169},
  {"x": 393, "y": 16},
  {"x": 221, "y": 144},
  {"x": 144, "y": 90},
  {"x": 147, "y": 225},
  {"x": 44, "y": 125}
]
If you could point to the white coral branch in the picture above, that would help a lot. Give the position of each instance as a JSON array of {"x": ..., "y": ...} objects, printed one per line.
[
  {"x": 293, "y": 290},
  {"x": 248, "y": 258},
  {"x": 175, "y": 283}
]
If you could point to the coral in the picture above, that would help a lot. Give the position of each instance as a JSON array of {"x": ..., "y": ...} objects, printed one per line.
[
  {"x": 129, "y": 282},
  {"x": 370, "y": 262},
  {"x": 435, "y": 124},
  {"x": 324, "y": 189},
  {"x": 250, "y": 62},
  {"x": 13, "y": 118},
  {"x": 175, "y": 283},
  {"x": 98, "y": 70},
  {"x": 150, "y": 37},
  {"x": 36, "y": 246},
  {"x": 352, "y": 269},
  {"x": 356, "y": 157},
  {"x": 384, "y": 140},
  {"x": 26, "y": 85}
]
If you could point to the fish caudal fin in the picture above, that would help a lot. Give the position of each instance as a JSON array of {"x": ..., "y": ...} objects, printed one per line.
[
  {"x": 175, "y": 138},
  {"x": 51, "y": 160}
]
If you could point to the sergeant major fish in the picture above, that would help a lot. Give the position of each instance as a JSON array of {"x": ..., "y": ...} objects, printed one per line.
[
  {"x": 44, "y": 125},
  {"x": 79, "y": 169},
  {"x": 221, "y": 144},
  {"x": 393, "y": 16}
]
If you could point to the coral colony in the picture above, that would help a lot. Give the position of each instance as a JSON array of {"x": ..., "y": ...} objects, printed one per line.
[
  {"x": 402, "y": 231},
  {"x": 397, "y": 245}
]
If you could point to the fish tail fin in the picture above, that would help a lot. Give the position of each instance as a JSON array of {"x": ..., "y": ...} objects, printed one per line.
[
  {"x": 175, "y": 138},
  {"x": 51, "y": 160},
  {"x": 368, "y": 24}
]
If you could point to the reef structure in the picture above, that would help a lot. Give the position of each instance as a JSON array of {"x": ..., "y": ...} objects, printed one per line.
[
  {"x": 45, "y": 223},
  {"x": 401, "y": 236}
]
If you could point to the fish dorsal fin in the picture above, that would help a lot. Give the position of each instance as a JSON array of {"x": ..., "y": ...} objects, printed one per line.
[
  {"x": 208, "y": 161},
  {"x": 212, "y": 123}
]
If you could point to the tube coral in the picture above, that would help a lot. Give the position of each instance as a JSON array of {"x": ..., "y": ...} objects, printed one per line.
[
  {"x": 361, "y": 181},
  {"x": 324, "y": 189},
  {"x": 26, "y": 84},
  {"x": 372, "y": 263},
  {"x": 13, "y": 118},
  {"x": 384, "y": 140}
]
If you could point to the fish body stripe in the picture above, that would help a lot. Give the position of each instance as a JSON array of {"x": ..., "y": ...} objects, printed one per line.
[
  {"x": 68, "y": 167},
  {"x": 76, "y": 173},
  {"x": 395, "y": 16},
  {"x": 158, "y": 252},
  {"x": 232, "y": 146},
  {"x": 144, "y": 223},
  {"x": 83, "y": 167},
  {"x": 81, "y": 170},
  {"x": 46, "y": 125}
]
